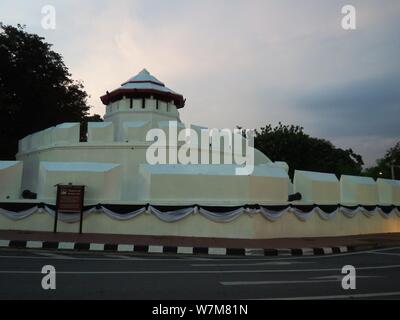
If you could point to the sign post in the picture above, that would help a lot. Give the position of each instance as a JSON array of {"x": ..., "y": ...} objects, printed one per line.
[{"x": 70, "y": 199}]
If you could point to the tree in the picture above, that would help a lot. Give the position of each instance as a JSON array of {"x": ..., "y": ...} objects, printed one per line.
[
  {"x": 36, "y": 89},
  {"x": 302, "y": 152},
  {"x": 383, "y": 168}
]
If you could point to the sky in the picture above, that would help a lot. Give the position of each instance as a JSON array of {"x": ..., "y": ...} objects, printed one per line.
[{"x": 247, "y": 63}]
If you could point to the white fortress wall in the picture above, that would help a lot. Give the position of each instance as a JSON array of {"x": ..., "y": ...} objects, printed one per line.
[
  {"x": 317, "y": 187},
  {"x": 246, "y": 226},
  {"x": 388, "y": 191},
  {"x": 358, "y": 190},
  {"x": 10, "y": 180}
]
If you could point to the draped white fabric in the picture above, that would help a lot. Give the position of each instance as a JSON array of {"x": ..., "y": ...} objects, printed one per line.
[
  {"x": 326, "y": 216},
  {"x": 272, "y": 215},
  {"x": 368, "y": 213},
  {"x": 303, "y": 216},
  {"x": 387, "y": 215},
  {"x": 172, "y": 216},
  {"x": 176, "y": 215},
  {"x": 222, "y": 216},
  {"x": 120, "y": 216},
  {"x": 18, "y": 215},
  {"x": 348, "y": 212}
]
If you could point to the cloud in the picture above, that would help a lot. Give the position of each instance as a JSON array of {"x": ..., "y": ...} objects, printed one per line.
[
  {"x": 243, "y": 63},
  {"x": 365, "y": 107}
]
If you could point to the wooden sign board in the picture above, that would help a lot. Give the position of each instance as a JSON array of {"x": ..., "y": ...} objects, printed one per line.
[{"x": 70, "y": 199}]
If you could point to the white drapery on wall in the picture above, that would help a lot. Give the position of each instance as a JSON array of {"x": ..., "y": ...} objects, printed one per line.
[{"x": 225, "y": 215}]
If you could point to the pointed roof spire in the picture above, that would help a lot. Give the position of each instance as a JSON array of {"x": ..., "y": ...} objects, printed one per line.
[
  {"x": 144, "y": 76},
  {"x": 144, "y": 84}
]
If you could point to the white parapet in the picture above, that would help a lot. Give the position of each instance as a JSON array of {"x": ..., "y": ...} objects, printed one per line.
[
  {"x": 209, "y": 184},
  {"x": 317, "y": 187},
  {"x": 358, "y": 190},
  {"x": 388, "y": 191},
  {"x": 63, "y": 134},
  {"x": 192, "y": 183},
  {"x": 168, "y": 126},
  {"x": 24, "y": 145},
  {"x": 10, "y": 180},
  {"x": 282, "y": 164},
  {"x": 135, "y": 130},
  {"x": 103, "y": 181},
  {"x": 100, "y": 132},
  {"x": 268, "y": 183},
  {"x": 67, "y": 133}
]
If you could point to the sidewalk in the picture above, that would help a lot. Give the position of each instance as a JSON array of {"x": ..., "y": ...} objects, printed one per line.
[{"x": 286, "y": 246}]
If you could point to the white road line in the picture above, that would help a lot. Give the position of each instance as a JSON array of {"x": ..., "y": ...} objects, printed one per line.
[
  {"x": 342, "y": 296},
  {"x": 124, "y": 257},
  {"x": 54, "y": 255},
  {"x": 340, "y": 277},
  {"x": 205, "y": 271},
  {"x": 247, "y": 283},
  {"x": 387, "y": 253},
  {"x": 257, "y": 264},
  {"x": 384, "y": 249}
]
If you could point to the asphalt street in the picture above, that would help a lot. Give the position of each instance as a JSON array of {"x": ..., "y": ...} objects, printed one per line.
[{"x": 87, "y": 275}]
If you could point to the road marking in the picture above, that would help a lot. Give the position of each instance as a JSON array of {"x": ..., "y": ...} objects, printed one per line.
[
  {"x": 96, "y": 247},
  {"x": 207, "y": 271},
  {"x": 247, "y": 283},
  {"x": 185, "y": 250},
  {"x": 307, "y": 251},
  {"x": 343, "y": 249},
  {"x": 189, "y": 250},
  {"x": 4, "y": 243},
  {"x": 254, "y": 252},
  {"x": 268, "y": 263},
  {"x": 155, "y": 249},
  {"x": 217, "y": 251},
  {"x": 386, "y": 253},
  {"x": 54, "y": 255},
  {"x": 384, "y": 249},
  {"x": 125, "y": 248},
  {"x": 332, "y": 278},
  {"x": 34, "y": 244},
  {"x": 340, "y": 277},
  {"x": 124, "y": 257},
  {"x": 284, "y": 252},
  {"x": 66, "y": 245},
  {"x": 342, "y": 296}
]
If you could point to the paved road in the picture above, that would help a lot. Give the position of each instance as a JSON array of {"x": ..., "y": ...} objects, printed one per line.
[{"x": 109, "y": 276}]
